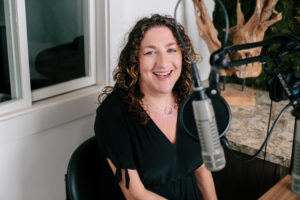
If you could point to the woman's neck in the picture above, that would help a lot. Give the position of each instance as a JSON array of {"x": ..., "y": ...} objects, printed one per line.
[{"x": 159, "y": 101}]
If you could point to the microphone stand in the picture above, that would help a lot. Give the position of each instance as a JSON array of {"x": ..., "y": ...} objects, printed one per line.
[
  {"x": 295, "y": 101},
  {"x": 295, "y": 161},
  {"x": 287, "y": 44}
]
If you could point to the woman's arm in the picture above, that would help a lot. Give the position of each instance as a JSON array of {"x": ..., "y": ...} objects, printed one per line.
[
  {"x": 205, "y": 183},
  {"x": 136, "y": 188}
]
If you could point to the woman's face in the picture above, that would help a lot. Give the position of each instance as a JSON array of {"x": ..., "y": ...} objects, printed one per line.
[{"x": 160, "y": 61}]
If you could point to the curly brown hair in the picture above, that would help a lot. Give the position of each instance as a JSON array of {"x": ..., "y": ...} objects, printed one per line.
[{"x": 126, "y": 74}]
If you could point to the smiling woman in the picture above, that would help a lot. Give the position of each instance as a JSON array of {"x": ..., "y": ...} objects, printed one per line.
[{"x": 136, "y": 126}]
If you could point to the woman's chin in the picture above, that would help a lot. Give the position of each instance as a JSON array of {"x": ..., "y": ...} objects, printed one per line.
[{"x": 165, "y": 90}]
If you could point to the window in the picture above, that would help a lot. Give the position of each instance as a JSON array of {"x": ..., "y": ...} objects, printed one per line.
[
  {"x": 59, "y": 40},
  {"x": 55, "y": 41},
  {"x": 13, "y": 90},
  {"x": 47, "y": 48},
  {"x": 26, "y": 110},
  {"x": 8, "y": 69}
]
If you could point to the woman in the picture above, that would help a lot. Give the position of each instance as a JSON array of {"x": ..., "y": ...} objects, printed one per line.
[{"x": 137, "y": 125}]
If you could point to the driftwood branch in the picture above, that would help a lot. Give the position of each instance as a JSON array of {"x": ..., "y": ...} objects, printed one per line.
[
  {"x": 206, "y": 28},
  {"x": 244, "y": 32}
]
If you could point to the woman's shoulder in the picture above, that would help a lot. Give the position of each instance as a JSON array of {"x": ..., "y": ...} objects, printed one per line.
[
  {"x": 111, "y": 98},
  {"x": 112, "y": 105}
]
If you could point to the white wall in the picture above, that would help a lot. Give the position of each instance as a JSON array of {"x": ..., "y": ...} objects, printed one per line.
[{"x": 33, "y": 167}]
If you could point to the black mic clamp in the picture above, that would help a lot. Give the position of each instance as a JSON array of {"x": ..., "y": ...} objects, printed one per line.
[{"x": 218, "y": 59}]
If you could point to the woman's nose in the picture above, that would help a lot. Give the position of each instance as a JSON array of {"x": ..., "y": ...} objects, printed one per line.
[{"x": 162, "y": 59}]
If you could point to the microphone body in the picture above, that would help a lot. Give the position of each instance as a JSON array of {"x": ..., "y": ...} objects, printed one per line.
[
  {"x": 212, "y": 151},
  {"x": 296, "y": 161}
]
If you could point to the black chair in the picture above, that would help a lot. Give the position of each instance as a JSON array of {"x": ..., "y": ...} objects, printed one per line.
[{"x": 89, "y": 176}]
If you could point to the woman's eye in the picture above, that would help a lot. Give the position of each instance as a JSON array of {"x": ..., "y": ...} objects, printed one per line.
[
  {"x": 172, "y": 50},
  {"x": 149, "y": 53}
]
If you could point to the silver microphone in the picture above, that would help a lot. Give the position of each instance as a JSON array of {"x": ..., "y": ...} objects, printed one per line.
[{"x": 212, "y": 151}]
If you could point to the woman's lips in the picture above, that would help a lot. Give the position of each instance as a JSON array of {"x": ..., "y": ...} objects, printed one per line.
[{"x": 163, "y": 74}]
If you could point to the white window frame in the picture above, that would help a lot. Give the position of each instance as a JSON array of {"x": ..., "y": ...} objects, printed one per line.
[
  {"x": 18, "y": 67},
  {"x": 24, "y": 117},
  {"x": 90, "y": 64}
]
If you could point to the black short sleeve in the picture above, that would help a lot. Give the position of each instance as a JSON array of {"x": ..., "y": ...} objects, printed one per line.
[{"x": 113, "y": 137}]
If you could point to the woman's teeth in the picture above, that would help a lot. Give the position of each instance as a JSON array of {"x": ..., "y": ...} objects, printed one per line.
[{"x": 162, "y": 73}]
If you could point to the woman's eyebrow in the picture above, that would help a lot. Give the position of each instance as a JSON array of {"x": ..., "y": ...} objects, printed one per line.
[
  {"x": 150, "y": 46},
  {"x": 171, "y": 44}
]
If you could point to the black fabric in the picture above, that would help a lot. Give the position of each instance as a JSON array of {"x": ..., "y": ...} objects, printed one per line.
[
  {"x": 164, "y": 168},
  {"x": 89, "y": 176}
]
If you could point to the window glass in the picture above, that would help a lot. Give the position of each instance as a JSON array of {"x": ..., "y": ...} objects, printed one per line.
[
  {"x": 4, "y": 73},
  {"x": 55, "y": 34},
  {"x": 9, "y": 68}
]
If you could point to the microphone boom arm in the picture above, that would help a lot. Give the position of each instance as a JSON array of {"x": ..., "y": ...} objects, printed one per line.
[
  {"x": 272, "y": 49},
  {"x": 218, "y": 58}
]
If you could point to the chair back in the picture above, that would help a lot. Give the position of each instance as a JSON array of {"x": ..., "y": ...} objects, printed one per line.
[{"x": 89, "y": 175}]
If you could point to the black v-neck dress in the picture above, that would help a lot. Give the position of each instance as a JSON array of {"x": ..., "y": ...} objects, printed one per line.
[{"x": 164, "y": 168}]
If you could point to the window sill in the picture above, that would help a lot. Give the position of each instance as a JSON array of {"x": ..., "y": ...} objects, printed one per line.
[{"x": 49, "y": 113}]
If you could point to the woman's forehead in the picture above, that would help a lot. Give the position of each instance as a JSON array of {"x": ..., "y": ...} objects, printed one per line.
[{"x": 158, "y": 35}]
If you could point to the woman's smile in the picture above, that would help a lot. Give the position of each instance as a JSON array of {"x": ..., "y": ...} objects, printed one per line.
[
  {"x": 160, "y": 61},
  {"x": 163, "y": 75}
]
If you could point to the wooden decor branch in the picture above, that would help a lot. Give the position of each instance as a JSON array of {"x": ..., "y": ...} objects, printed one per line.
[{"x": 244, "y": 32}]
